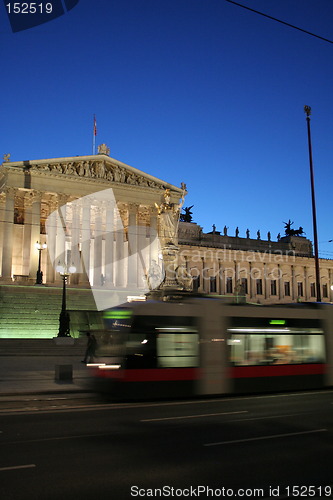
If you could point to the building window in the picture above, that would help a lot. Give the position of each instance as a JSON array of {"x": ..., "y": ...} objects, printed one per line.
[
  {"x": 212, "y": 284},
  {"x": 300, "y": 289},
  {"x": 244, "y": 285},
  {"x": 229, "y": 285},
  {"x": 273, "y": 287},
  {"x": 313, "y": 289},
  {"x": 325, "y": 290},
  {"x": 259, "y": 286},
  {"x": 287, "y": 288}
]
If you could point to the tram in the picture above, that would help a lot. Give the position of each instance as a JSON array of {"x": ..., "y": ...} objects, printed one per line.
[{"x": 203, "y": 346}]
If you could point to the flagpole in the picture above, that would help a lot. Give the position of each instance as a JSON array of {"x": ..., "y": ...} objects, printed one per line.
[{"x": 94, "y": 136}]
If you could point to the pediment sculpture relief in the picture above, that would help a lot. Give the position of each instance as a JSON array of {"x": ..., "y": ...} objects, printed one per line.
[{"x": 98, "y": 170}]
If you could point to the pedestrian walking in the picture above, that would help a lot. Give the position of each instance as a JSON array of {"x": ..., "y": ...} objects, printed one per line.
[{"x": 91, "y": 348}]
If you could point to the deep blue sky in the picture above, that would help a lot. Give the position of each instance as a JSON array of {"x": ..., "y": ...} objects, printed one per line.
[{"x": 200, "y": 91}]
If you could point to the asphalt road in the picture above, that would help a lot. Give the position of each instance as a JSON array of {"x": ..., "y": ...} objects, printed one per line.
[{"x": 273, "y": 446}]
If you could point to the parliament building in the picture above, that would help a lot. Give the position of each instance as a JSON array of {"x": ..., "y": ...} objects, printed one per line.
[{"x": 108, "y": 226}]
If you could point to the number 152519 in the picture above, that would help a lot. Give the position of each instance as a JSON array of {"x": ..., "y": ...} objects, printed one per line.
[{"x": 29, "y": 8}]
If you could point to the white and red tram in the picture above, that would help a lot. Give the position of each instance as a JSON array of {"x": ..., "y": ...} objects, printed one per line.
[{"x": 203, "y": 346}]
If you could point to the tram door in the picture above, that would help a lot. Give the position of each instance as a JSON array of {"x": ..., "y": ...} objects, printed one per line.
[{"x": 213, "y": 351}]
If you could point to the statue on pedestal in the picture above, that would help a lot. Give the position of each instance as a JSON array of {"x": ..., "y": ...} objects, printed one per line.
[
  {"x": 184, "y": 279},
  {"x": 169, "y": 214},
  {"x": 154, "y": 275}
]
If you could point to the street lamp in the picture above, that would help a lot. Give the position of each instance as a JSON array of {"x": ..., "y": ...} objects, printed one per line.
[
  {"x": 39, "y": 276},
  {"x": 307, "y": 110},
  {"x": 64, "y": 316}
]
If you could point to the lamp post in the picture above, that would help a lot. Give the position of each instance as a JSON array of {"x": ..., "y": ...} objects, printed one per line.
[
  {"x": 64, "y": 316},
  {"x": 39, "y": 275},
  {"x": 307, "y": 110}
]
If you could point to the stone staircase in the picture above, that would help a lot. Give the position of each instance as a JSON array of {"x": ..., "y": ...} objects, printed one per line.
[{"x": 33, "y": 311}]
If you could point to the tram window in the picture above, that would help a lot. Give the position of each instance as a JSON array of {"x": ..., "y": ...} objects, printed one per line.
[
  {"x": 177, "y": 349},
  {"x": 162, "y": 342},
  {"x": 275, "y": 348}
]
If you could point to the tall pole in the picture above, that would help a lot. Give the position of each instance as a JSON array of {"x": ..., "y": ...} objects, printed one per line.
[
  {"x": 39, "y": 274},
  {"x": 64, "y": 316},
  {"x": 307, "y": 110},
  {"x": 64, "y": 320}
]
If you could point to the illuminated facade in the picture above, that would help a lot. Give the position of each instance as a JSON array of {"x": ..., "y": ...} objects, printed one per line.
[
  {"x": 264, "y": 271},
  {"x": 69, "y": 193}
]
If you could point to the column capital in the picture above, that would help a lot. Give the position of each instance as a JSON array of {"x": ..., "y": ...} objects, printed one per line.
[
  {"x": 2, "y": 198},
  {"x": 62, "y": 199},
  {"x": 133, "y": 208},
  {"x": 53, "y": 203},
  {"x": 153, "y": 211},
  {"x": 10, "y": 191},
  {"x": 32, "y": 197}
]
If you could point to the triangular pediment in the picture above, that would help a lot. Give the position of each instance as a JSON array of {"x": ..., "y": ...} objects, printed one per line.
[{"x": 99, "y": 168}]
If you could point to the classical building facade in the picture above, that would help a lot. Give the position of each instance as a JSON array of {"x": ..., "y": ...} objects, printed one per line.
[
  {"x": 111, "y": 223},
  {"x": 94, "y": 213},
  {"x": 263, "y": 271}
]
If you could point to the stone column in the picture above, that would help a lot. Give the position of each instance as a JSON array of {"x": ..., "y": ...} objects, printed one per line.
[
  {"x": 75, "y": 243},
  {"x": 35, "y": 233},
  {"x": 330, "y": 277},
  {"x": 205, "y": 276},
  {"x": 109, "y": 241},
  {"x": 98, "y": 236},
  {"x": 154, "y": 241},
  {"x": 86, "y": 239},
  {"x": 8, "y": 228},
  {"x": 143, "y": 254},
  {"x": 132, "y": 269},
  {"x": 251, "y": 281},
  {"x": 266, "y": 282},
  {"x": 51, "y": 231},
  {"x": 119, "y": 257},
  {"x": 293, "y": 284},
  {"x": 221, "y": 284},
  {"x": 61, "y": 234},
  {"x": 280, "y": 283},
  {"x": 2, "y": 221},
  {"x": 306, "y": 284},
  {"x": 28, "y": 198}
]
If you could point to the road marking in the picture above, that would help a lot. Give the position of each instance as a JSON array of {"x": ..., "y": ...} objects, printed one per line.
[
  {"x": 16, "y": 467},
  {"x": 192, "y": 416},
  {"x": 271, "y": 416},
  {"x": 274, "y": 436}
]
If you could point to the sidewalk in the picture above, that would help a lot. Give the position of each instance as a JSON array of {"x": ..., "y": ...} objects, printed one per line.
[{"x": 41, "y": 374}]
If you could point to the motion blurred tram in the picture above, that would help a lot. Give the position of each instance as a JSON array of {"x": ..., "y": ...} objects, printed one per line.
[{"x": 203, "y": 346}]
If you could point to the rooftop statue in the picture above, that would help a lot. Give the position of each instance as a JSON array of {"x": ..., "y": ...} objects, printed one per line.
[
  {"x": 292, "y": 232},
  {"x": 187, "y": 216},
  {"x": 103, "y": 150}
]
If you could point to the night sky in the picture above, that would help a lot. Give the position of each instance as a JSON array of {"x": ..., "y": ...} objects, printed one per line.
[{"x": 197, "y": 91}]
